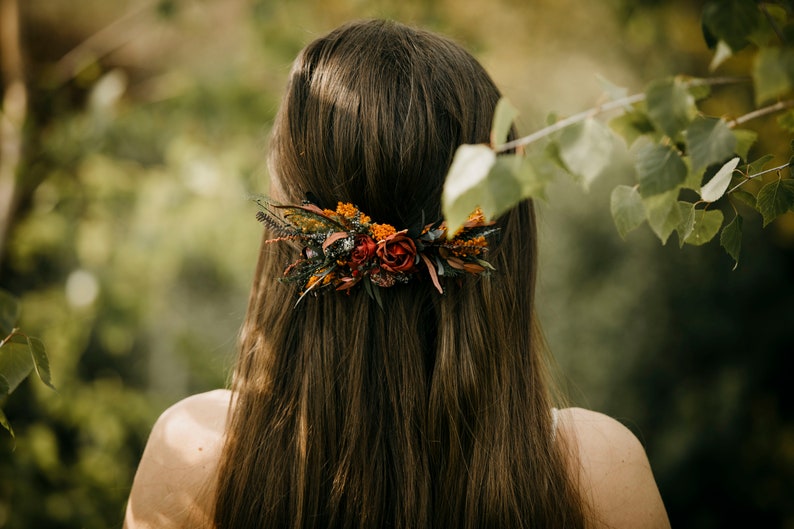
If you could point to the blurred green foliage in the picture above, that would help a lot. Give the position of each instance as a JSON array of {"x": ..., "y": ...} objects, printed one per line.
[{"x": 133, "y": 244}]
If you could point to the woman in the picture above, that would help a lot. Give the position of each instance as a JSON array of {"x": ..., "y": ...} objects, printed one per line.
[{"x": 389, "y": 405}]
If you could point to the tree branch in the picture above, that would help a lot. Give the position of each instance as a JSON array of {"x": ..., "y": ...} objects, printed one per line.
[
  {"x": 612, "y": 105},
  {"x": 12, "y": 113},
  {"x": 771, "y": 109}
]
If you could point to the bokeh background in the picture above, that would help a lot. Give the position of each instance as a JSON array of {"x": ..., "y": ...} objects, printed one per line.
[{"x": 131, "y": 242}]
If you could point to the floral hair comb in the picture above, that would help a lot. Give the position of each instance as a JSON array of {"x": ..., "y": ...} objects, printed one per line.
[{"x": 343, "y": 247}]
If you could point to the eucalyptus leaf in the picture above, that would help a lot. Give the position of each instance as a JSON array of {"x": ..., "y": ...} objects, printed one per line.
[
  {"x": 504, "y": 115},
  {"x": 627, "y": 209},
  {"x": 586, "y": 149},
  {"x": 9, "y": 313},
  {"x": 670, "y": 104},
  {"x": 709, "y": 141},
  {"x": 659, "y": 169},
  {"x": 731, "y": 239},
  {"x": 775, "y": 198},
  {"x": 16, "y": 362},
  {"x": 707, "y": 225},
  {"x": 719, "y": 183}
]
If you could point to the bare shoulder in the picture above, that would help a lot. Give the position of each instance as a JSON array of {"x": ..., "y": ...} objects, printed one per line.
[
  {"x": 615, "y": 475},
  {"x": 174, "y": 483}
]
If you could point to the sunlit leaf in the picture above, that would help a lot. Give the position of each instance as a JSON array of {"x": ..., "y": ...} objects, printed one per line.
[
  {"x": 722, "y": 53},
  {"x": 16, "y": 362},
  {"x": 775, "y": 198},
  {"x": 627, "y": 209},
  {"x": 504, "y": 115},
  {"x": 709, "y": 141},
  {"x": 707, "y": 225},
  {"x": 659, "y": 169},
  {"x": 586, "y": 149},
  {"x": 466, "y": 177},
  {"x": 664, "y": 215},
  {"x": 534, "y": 173},
  {"x": 687, "y": 224},
  {"x": 501, "y": 189},
  {"x": 719, "y": 183},
  {"x": 40, "y": 360},
  {"x": 671, "y": 106},
  {"x": 731, "y": 239},
  {"x": 9, "y": 313},
  {"x": 773, "y": 73}
]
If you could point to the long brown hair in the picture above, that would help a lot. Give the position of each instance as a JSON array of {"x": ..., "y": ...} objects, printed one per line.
[{"x": 432, "y": 411}]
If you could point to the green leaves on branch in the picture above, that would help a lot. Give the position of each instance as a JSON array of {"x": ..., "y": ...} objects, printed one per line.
[
  {"x": 676, "y": 151},
  {"x": 19, "y": 354}
]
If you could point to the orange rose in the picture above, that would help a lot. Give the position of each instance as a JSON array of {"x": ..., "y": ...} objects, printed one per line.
[
  {"x": 397, "y": 253},
  {"x": 363, "y": 250}
]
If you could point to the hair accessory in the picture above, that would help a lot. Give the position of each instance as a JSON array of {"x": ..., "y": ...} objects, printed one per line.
[{"x": 343, "y": 247}]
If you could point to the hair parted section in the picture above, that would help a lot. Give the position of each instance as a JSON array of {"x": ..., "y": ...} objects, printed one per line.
[{"x": 432, "y": 411}]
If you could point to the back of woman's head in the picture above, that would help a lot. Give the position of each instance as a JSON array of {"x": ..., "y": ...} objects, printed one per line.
[
  {"x": 373, "y": 114},
  {"x": 424, "y": 410}
]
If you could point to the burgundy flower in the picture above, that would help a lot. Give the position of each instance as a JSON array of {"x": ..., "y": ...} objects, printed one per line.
[
  {"x": 363, "y": 250},
  {"x": 397, "y": 253}
]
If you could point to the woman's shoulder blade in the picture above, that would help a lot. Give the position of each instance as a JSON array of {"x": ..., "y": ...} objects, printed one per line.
[
  {"x": 614, "y": 472},
  {"x": 173, "y": 486}
]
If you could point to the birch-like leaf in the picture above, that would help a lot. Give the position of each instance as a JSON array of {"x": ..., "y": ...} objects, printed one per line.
[
  {"x": 775, "y": 198},
  {"x": 40, "y": 361},
  {"x": 731, "y": 239},
  {"x": 586, "y": 149},
  {"x": 504, "y": 115},
  {"x": 16, "y": 362},
  {"x": 627, "y": 209},
  {"x": 659, "y": 169},
  {"x": 709, "y": 141},
  {"x": 664, "y": 215},
  {"x": 707, "y": 225},
  {"x": 467, "y": 175},
  {"x": 719, "y": 183},
  {"x": 671, "y": 106}
]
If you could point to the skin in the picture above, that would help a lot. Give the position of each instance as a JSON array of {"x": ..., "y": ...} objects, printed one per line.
[{"x": 173, "y": 487}]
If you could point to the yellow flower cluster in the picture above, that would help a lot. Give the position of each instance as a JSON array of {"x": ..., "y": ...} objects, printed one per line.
[
  {"x": 381, "y": 231},
  {"x": 473, "y": 246}
]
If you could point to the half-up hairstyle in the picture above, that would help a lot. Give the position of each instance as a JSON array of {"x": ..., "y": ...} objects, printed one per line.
[{"x": 432, "y": 410}]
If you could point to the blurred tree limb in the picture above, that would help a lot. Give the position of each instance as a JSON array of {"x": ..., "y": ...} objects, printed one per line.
[{"x": 13, "y": 112}]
